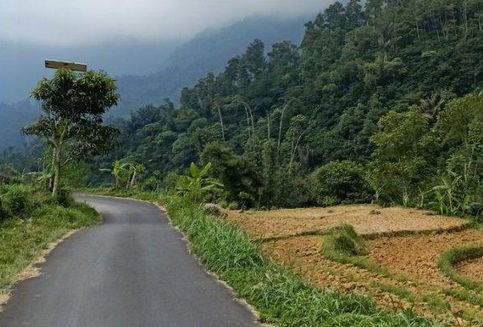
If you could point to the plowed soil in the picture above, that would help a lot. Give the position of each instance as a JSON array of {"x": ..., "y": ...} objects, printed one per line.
[
  {"x": 416, "y": 283},
  {"x": 417, "y": 255},
  {"x": 366, "y": 219},
  {"x": 406, "y": 242},
  {"x": 472, "y": 269}
]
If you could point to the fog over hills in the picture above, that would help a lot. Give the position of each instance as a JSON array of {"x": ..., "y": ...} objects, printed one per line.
[
  {"x": 146, "y": 72},
  {"x": 207, "y": 52},
  {"x": 23, "y": 64}
]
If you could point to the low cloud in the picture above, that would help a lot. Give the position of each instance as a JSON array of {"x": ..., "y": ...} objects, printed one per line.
[{"x": 69, "y": 22}]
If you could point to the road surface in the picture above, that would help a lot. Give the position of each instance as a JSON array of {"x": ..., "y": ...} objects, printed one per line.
[{"x": 132, "y": 270}]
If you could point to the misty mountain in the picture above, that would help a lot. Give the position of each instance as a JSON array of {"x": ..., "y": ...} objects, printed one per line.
[
  {"x": 207, "y": 52},
  {"x": 175, "y": 66},
  {"x": 12, "y": 118},
  {"x": 23, "y": 64}
]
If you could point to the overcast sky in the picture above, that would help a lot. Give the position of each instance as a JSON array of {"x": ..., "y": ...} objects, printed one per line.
[{"x": 79, "y": 22}]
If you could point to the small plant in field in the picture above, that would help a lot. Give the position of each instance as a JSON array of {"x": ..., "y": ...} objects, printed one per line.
[
  {"x": 342, "y": 244},
  {"x": 344, "y": 240},
  {"x": 197, "y": 186},
  {"x": 448, "y": 197}
]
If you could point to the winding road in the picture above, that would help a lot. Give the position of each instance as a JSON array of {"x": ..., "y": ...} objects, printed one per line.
[{"x": 132, "y": 270}]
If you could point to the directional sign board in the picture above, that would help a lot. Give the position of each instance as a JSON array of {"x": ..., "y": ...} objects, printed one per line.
[{"x": 56, "y": 64}]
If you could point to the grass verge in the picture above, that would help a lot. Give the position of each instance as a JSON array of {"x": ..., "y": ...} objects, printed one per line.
[
  {"x": 23, "y": 239},
  {"x": 278, "y": 295},
  {"x": 450, "y": 258}
]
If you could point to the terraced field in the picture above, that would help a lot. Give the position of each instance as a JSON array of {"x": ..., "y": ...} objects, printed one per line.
[{"x": 401, "y": 270}]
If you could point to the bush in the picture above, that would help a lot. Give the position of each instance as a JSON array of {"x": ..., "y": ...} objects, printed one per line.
[
  {"x": 339, "y": 182},
  {"x": 344, "y": 240},
  {"x": 291, "y": 190},
  {"x": 16, "y": 199},
  {"x": 64, "y": 198}
]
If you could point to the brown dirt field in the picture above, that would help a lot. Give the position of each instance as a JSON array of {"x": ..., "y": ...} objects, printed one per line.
[
  {"x": 422, "y": 283},
  {"x": 472, "y": 269},
  {"x": 417, "y": 255},
  {"x": 406, "y": 242},
  {"x": 366, "y": 220}
]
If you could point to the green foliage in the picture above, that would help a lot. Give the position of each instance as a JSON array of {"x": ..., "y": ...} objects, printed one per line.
[
  {"x": 197, "y": 187},
  {"x": 400, "y": 163},
  {"x": 465, "y": 295},
  {"x": 16, "y": 200},
  {"x": 71, "y": 121},
  {"x": 65, "y": 198},
  {"x": 383, "y": 71},
  {"x": 125, "y": 173},
  {"x": 453, "y": 256},
  {"x": 343, "y": 241},
  {"x": 342, "y": 244},
  {"x": 436, "y": 165},
  {"x": 339, "y": 182}
]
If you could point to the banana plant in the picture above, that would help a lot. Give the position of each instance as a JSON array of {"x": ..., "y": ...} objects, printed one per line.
[
  {"x": 125, "y": 174},
  {"x": 197, "y": 186}
]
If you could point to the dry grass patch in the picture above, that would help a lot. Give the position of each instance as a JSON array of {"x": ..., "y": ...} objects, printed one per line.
[{"x": 417, "y": 255}]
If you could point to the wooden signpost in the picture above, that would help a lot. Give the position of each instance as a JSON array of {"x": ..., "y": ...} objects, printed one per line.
[{"x": 56, "y": 64}]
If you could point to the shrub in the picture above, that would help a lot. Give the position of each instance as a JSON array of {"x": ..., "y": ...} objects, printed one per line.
[
  {"x": 16, "y": 199},
  {"x": 197, "y": 186},
  {"x": 344, "y": 240},
  {"x": 64, "y": 198},
  {"x": 339, "y": 182}
]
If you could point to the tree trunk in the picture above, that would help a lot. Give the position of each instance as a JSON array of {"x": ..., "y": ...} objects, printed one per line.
[
  {"x": 56, "y": 170},
  {"x": 279, "y": 141},
  {"x": 51, "y": 178},
  {"x": 221, "y": 123},
  {"x": 268, "y": 127},
  {"x": 133, "y": 179}
]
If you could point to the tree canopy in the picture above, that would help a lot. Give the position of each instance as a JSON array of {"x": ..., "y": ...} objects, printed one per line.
[{"x": 71, "y": 121}]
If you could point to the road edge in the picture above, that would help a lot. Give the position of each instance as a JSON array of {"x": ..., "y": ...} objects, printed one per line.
[{"x": 34, "y": 268}]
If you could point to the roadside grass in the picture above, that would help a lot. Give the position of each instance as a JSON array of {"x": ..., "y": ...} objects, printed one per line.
[
  {"x": 23, "y": 238},
  {"x": 280, "y": 297},
  {"x": 450, "y": 258}
]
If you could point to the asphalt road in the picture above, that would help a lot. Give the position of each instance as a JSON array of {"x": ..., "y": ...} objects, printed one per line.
[{"x": 131, "y": 270}]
